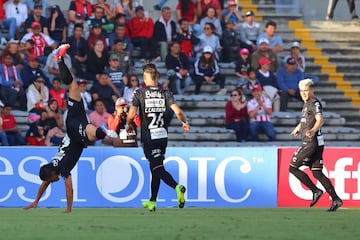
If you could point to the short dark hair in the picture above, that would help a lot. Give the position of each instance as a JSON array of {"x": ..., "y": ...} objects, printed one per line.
[
  {"x": 78, "y": 25},
  {"x": 270, "y": 23},
  {"x": 183, "y": 20},
  {"x": 45, "y": 172},
  {"x": 151, "y": 69}
]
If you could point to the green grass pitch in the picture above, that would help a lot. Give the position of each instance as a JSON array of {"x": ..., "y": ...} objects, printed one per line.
[{"x": 187, "y": 223}]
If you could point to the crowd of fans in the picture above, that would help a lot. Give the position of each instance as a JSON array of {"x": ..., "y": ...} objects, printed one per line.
[{"x": 106, "y": 39}]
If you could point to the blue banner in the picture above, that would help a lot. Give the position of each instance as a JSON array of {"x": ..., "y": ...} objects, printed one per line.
[{"x": 120, "y": 177}]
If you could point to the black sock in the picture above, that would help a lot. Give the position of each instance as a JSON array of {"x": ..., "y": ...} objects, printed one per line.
[
  {"x": 304, "y": 178},
  {"x": 318, "y": 174},
  {"x": 65, "y": 74},
  {"x": 165, "y": 176},
  {"x": 155, "y": 184},
  {"x": 100, "y": 133}
]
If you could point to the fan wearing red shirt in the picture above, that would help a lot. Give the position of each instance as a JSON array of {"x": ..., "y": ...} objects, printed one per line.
[
  {"x": 141, "y": 31},
  {"x": 58, "y": 93},
  {"x": 10, "y": 128}
]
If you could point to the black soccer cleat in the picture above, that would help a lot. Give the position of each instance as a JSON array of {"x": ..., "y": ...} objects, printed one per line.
[
  {"x": 316, "y": 196},
  {"x": 335, "y": 205}
]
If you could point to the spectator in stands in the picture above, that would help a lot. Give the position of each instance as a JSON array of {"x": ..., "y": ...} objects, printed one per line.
[
  {"x": 186, "y": 39},
  {"x": 178, "y": 66},
  {"x": 332, "y": 5},
  {"x": 242, "y": 66},
  {"x": 41, "y": 41},
  {"x": 35, "y": 134},
  {"x": 232, "y": 14},
  {"x": 31, "y": 71},
  {"x": 13, "y": 133},
  {"x": 117, "y": 122},
  {"x": 207, "y": 70},
  {"x": 85, "y": 95},
  {"x": 103, "y": 90},
  {"x": 210, "y": 17},
  {"x": 264, "y": 51},
  {"x": 36, "y": 16},
  {"x": 31, "y": 6},
  {"x": 203, "y": 5},
  {"x": 96, "y": 61},
  {"x": 141, "y": 32},
  {"x": 119, "y": 49},
  {"x": 52, "y": 68},
  {"x": 79, "y": 12},
  {"x": 186, "y": 9},
  {"x": 8, "y": 23},
  {"x": 250, "y": 31},
  {"x": 109, "y": 13},
  {"x": 11, "y": 85},
  {"x": 37, "y": 96},
  {"x": 3, "y": 137},
  {"x": 236, "y": 115},
  {"x": 132, "y": 85},
  {"x": 116, "y": 74},
  {"x": 295, "y": 53},
  {"x": 96, "y": 35},
  {"x": 57, "y": 25},
  {"x": 260, "y": 109},
  {"x": 249, "y": 84},
  {"x": 230, "y": 42},
  {"x": 78, "y": 49},
  {"x": 269, "y": 83},
  {"x": 52, "y": 124},
  {"x": 12, "y": 49},
  {"x": 98, "y": 117},
  {"x": 165, "y": 30},
  {"x": 288, "y": 78},
  {"x": 27, "y": 49},
  {"x": 18, "y": 10},
  {"x": 99, "y": 18},
  {"x": 125, "y": 7},
  {"x": 58, "y": 93},
  {"x": 119, "y": 34},
  {"x": 275, "y": 40},
  {"x": 208, "y": 38}
]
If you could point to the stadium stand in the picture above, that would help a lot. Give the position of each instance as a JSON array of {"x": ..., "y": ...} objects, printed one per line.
[{"x": 332, "y": 53}]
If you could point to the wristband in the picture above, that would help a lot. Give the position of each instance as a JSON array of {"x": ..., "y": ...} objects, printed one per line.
[{"x": 186, "y": 123}]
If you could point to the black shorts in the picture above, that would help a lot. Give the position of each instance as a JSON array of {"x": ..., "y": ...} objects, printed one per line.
[
  {"x": 154, "y": 151},
  {"x": 309, "y": 154},
  {"x": 76, "y": 121}
]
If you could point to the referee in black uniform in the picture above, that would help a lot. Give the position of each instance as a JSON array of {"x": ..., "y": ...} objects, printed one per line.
[
  {"x": 79, "y": 134},
  {"x": 153, "y": 104},
  {"x": 310, "y": 151}
]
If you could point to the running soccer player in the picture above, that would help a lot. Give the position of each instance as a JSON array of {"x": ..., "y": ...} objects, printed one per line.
[
  {"x": 310, "y": 151},
  {"x": 79, "y": 134},
  {"x": 153, "y": 103}
]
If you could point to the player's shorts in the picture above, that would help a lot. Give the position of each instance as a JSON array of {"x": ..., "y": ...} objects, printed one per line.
[
  {"x": 154, "y": 151},
  {"x": 309, "y": 154},
  {"x": 76, "y": 121}
]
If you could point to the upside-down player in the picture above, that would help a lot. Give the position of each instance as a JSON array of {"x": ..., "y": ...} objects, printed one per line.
[{"x": 79, "y": 133}]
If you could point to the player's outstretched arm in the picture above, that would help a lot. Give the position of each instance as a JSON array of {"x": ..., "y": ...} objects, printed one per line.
[
  {"x": 181, "y": 116},
  {"x": 41, "y": 190},
  {"x": 69, "y": 193}
]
